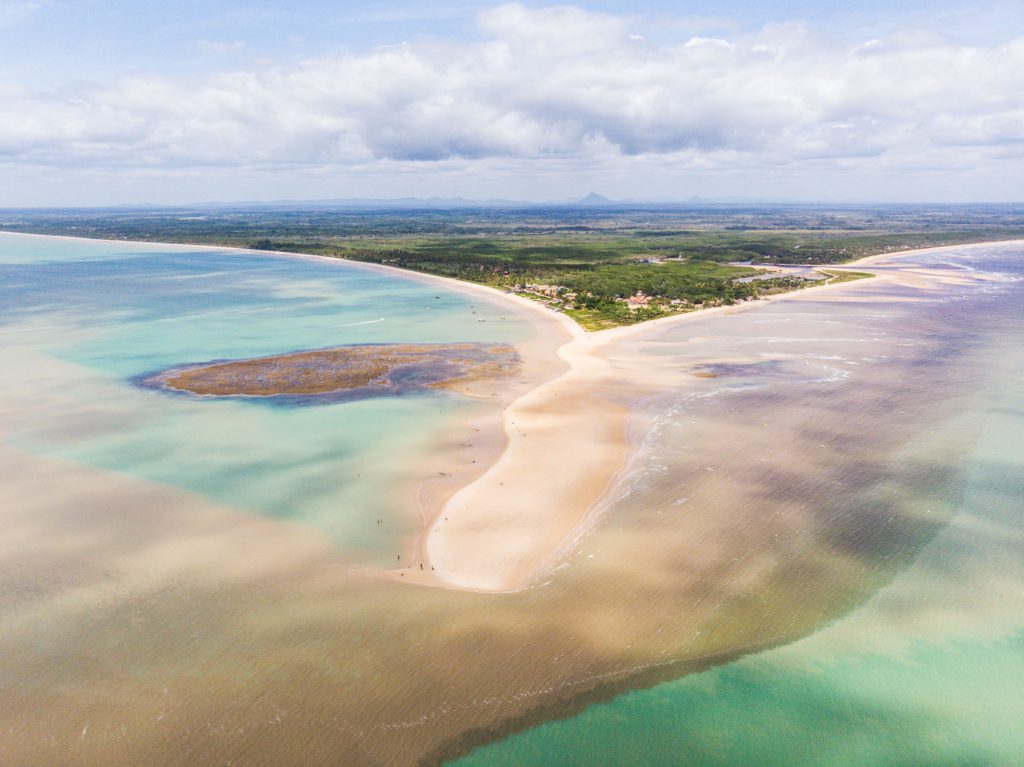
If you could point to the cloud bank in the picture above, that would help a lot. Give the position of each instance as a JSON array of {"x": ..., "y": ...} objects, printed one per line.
[{"x": 549, "y": 85}]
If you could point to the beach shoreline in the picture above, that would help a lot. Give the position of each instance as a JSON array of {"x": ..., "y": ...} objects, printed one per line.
[
  {"x": 529, "y": 528},
  {"x": 484, "y": 528}
]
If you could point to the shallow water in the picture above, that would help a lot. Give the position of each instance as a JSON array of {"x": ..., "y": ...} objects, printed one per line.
[
  {"x": 927, "y": 670},
  {"x": 843, "y": 494},
  {"x": 88, "y": 318}
]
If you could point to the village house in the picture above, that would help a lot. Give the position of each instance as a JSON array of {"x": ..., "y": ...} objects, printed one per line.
[
  {"x": 638, "y": 301},
  {"x": 551, "y": 291}
]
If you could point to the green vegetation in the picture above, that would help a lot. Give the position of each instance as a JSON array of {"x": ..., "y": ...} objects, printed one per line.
[{"x": 602, "y": 266}]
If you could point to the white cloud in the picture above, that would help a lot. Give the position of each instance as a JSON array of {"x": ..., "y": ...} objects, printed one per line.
[
  {"x": 546, "y": 85},
  {"x": 693, "y": 42}
]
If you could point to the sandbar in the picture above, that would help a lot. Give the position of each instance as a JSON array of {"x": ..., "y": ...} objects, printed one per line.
[{"x": 567, "y": 443}]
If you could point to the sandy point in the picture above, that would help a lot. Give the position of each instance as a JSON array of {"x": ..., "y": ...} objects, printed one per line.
[{"x": 567, "y": 443}]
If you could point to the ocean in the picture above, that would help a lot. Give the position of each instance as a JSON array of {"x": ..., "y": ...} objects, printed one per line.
[
  {"x": 814, "y": 556},
  {"x": 103, "y": 315},
  {"x": 912, "y": 486}
]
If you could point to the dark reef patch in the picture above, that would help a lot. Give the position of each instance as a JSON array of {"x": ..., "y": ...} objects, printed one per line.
[{"x": 343, "y": 372}]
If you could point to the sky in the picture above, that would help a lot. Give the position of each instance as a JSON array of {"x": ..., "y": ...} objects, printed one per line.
[{"x": 122, "y": 102}]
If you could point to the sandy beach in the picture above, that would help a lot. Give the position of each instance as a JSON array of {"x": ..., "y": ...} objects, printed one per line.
[
  {"x": 506, "y": 529},
  {"x": 499, "y": 514}
]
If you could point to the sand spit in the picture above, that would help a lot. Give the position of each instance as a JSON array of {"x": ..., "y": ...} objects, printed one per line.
[
  {"x": 567, "y": 441},
  {"x": 566, "y": 434}
]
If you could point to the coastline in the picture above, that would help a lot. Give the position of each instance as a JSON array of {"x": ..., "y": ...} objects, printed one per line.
[
  {"x": 528, "y": 524},
  {"x": 476, "y": 439}
]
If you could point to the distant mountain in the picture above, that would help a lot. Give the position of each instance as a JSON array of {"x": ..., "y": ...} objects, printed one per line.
[{"x": 595, "y": 199}]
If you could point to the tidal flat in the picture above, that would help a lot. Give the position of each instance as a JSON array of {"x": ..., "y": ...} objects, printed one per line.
[
  {"x": 363, "y": 370},
  {"x": 202, "y": 581}
]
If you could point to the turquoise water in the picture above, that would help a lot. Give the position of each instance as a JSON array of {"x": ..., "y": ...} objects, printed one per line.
[
  {"x": 85, "y": 318},
  {"x": 929, "y": 671}
]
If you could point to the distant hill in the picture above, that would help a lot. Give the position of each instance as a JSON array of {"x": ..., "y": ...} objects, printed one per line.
[{"x": 595, "y": 199}]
